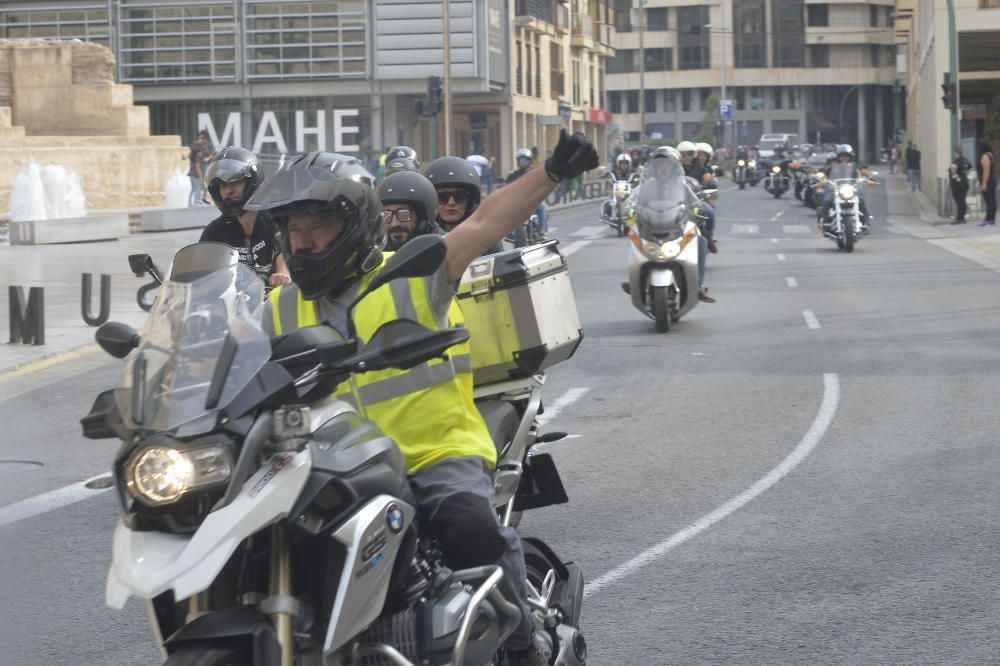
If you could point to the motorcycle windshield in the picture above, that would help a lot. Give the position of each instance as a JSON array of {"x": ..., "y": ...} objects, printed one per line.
[
  {"x": 661, "y": 205},
  {"x": 202, "y": 344}
]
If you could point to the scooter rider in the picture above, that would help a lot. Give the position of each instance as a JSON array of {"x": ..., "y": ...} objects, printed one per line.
[
  {"x": 523, "y": 159},
  {"x": 409, "y": 206},
  {"x": 458, "y": 194},
  {"x": 332, "y": 231},
  {"x": 232, "y": 179},
  {"x": 623, "y": 171},
  {"x": 694, "y": 169},
  {"x": 844, "y": 167}
]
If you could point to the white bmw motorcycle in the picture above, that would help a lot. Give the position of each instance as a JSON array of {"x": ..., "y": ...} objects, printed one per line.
[{"x": 264, "y": 522}]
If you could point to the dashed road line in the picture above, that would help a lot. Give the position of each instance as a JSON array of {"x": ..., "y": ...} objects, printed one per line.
[
  {"x": 792, "y": 282},
  {"x": 50, "y": 501},
  {"x": 745, "y": 229},
  {"x": 564, "y": 401},
  {"x": 588, "y": 231},
  {"x": 781, "y": 257},
  {"x": 827, "y": 410},
  {"x": 573, "y": 247},
  {"x": 811, "y": 321}
]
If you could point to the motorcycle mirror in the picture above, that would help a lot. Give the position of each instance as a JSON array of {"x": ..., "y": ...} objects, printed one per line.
[
  {"x": 117, "y": 339},
  {"x": 602, "y": 171},
  {"x": 717, "y": 170},
  {"x": 143, "y": 263}
]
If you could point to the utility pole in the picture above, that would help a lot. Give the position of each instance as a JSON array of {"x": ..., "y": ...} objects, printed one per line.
[
  {"x": 447, "y": 77},
  {"x": 722, "y": 36},
  {"x": 953, "y": 68},
  {"x": 641, "y": 25}
]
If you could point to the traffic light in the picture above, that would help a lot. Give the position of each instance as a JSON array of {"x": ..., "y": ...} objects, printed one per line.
[
  {"x": 948, "y": 88},
  {"x": 434, "y": 96}
]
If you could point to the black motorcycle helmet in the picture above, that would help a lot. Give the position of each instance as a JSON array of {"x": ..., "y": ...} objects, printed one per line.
[
  {"x": 331, "y": 183},
  {"x": 231, "y": 165},
  {"x": 402, "y": 152},
  {"x": 456, "y": 172},
  {"x": 413, "y": 189},
  {"x": 400, "y": 164}
]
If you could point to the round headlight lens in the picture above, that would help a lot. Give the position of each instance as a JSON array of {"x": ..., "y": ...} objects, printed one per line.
[
  {"x": 753, "y": 163},
  {"x": 846, "y": 192},
  {"x": 740, "y": 163},
  {"x": 670, "y": 249},
  {"x": 820, "y": 175},
  {"x": 160, "y": 475},
  {"x": 776, "y": 169}
]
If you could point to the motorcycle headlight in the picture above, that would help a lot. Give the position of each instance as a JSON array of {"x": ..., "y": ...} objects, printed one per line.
[
  {"x": 160, "y": 475},
  {"x": 670, "y": 249},
  {"x": 752, "y": 164},
  {"x": 621, "y": 190},
  {"x": 651, "y": 249},
  {"x": 846, "y": 191},
  {"x": 740, "y": 163},
  {"x": 820, "y": 175},
  {"x": 776, "y": 169}
]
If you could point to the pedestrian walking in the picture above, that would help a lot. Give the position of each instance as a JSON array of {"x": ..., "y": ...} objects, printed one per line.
[
  {"x": 893, "y": 159},
  {"x": 958, "y": 174},
  {"x": 913, "y": 166},
  {"x": 988, "y": 182},
  {"x": 200, "y": 153}
]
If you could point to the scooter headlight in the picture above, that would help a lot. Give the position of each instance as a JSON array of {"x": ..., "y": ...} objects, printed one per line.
[
  {"x": 776, "y": 169},
  {"x": 670, "y": 249},
  {"x": 159, "y": 475},
  {"x": 740, "y": 163},
  {"x": 846, "y": 192},
  {"x": 651, "y": 249}
]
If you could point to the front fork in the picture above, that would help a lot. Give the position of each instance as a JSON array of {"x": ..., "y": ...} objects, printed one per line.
[{"x": 281, "y": 588}]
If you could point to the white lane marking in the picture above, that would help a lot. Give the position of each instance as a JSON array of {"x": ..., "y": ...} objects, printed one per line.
[
  {"x": 746, "y": 229},
  {"x": 811, "y": 320},
  {"x": 589, "y": 231},
  {"x": 54, "y": 499},
  {"x": 781, "y": 257},
  {"x": 792, "y": 282},
  {"x": 564, "y": 401},
  {"x": 778, "y": 215},
  {"x": 796, "y": 229},
  {"x": 827, "y": 410},
  {"x": 573, "y": 247},
  {"x": 774, "y": 240}
]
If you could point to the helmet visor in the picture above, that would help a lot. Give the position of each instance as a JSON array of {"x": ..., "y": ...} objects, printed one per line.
[{"x": 227, "y": 171}]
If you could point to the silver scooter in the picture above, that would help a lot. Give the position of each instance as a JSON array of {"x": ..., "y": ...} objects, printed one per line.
[{"x": 663, "y": 255}]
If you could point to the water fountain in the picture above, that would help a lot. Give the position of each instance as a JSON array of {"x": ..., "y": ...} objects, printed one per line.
[
  {"x": 177, "y": 189},
  {"x": 177, "y": 214}
]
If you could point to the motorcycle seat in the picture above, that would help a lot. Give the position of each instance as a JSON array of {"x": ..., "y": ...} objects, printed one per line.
[{"x": 501, "y": 421}]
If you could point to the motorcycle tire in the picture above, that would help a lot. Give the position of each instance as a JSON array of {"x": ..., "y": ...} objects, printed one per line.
[
  {"x": 520, "y": 237},
  {"x": 742, "y": 185},
  {"x": 661, "y": 309},
  {"x": 205, "y": 656},
  {"x": 777, "y": 194},
  {"x": 620, "y": 228},
  {"x": 849, "y": 237}
]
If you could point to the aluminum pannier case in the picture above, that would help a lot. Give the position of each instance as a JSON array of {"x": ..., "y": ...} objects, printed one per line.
[{"x": 520, "y": 311}]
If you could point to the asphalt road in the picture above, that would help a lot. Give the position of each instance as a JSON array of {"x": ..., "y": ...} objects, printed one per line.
[{"x": 794, "y": 475}]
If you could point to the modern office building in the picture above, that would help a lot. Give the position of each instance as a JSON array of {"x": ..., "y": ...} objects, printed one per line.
[
  {"x": 283, "y": 76},
  {"x": 922, "y": 30},
  {"x": 823, "y": 70}
]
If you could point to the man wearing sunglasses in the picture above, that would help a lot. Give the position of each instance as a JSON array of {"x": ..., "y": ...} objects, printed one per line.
[
  {"x": 409, "y": 205},
  {"x": 524, "y": 159}
]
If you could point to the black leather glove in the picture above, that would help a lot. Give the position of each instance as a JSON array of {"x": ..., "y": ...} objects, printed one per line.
[{"x": 572, "y": 156}]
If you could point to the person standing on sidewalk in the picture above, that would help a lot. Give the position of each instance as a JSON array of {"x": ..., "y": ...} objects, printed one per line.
[
  {"x": 988, "y": 182},
  {"x": 959, "y": 179},
  {"x": 913, "y": 167}
]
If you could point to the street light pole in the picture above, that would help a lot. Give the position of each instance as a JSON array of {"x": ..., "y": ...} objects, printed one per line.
[
  {"x": 722, "y": 33},
  {"x": 446, "y": 79},
  {"x": 953, "y": 68}
]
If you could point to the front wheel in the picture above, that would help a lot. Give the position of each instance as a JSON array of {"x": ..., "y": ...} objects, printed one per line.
[
  {"x": 202, "y": 656},
  {"x": 742, "y": 185},
  {"x": 849, "y": 236},
  {"x": 661, "y": 309}
]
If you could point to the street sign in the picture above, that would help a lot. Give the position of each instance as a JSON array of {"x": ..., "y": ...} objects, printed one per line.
[{"x": 726, "y": 109}]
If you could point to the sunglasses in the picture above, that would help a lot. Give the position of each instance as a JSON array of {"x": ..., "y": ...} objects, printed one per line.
[
  {"x": 403, "y": 215},
  {"x": 460, "y": 197}
]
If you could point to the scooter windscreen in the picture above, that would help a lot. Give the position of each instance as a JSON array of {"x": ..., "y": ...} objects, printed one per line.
[
  {"x": 202, "y": 344},
  {"x": 662, "y": 203}
]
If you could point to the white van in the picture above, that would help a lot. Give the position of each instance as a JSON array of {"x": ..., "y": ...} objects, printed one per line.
[{"x": 768, "y": 142}]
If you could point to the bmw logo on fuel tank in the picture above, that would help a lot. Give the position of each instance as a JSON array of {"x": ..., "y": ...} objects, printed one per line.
[{"x": 394, "y": 517}]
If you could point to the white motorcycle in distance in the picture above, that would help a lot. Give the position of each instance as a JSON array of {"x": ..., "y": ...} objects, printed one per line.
[
  {"x": 663, "y": 255},
  {"x": 265, "y": 522},
  {"x": 621, "y": 191},
  {"x": 844, "y": 223}
]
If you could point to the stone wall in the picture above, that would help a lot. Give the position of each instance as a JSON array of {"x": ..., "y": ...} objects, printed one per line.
[{"x": 59, "y": 104}]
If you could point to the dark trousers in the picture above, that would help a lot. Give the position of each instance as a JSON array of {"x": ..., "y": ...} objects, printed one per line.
[
  {"x": 990, "y": 195},
  {"x": 958, "y": 192}
]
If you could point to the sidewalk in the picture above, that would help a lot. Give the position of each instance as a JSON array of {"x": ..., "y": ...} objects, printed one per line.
[{"x": 914, "y": 213}]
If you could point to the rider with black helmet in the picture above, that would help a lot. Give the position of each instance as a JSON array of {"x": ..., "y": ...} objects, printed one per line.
[
  {"x": 524, "y": 158},
  {"x": 457, "y": 183},
  {"x": 232, "y": 179},
  {"x": 402, "y": 152},
  {"x": 331, "y": 225},
  {"x": 409, "y": 206},
  {"x": 397, "y": 164}
]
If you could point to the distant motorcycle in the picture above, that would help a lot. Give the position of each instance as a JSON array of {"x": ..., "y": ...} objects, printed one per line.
[
  {"x": 777, "y": 181},
  {"x": 529, "y": 233},
  {"x": 753, "y": 172},
  {"x": 812, "y": 193},
  {"x": 845, "y": 224},
  {"x": 740, "y": 174},
  {"x": 621, "y": 190}
]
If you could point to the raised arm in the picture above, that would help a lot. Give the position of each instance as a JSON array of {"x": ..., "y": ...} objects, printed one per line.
[{"x": 502, "y": 212}]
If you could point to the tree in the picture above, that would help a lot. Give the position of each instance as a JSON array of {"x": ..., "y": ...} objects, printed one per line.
[{"x": 707, "y": 131}]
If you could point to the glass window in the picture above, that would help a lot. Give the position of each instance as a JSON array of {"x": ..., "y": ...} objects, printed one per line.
[
  {"x": 650, "y": 100},
  {"x": 685, "y": 99},
  {"x": 818, "y": 16},
  {"x": 776, "y": 98},
  {"x": 659, "y": 60},
  {"x": 788, "y": 30},
  {"x": 875, "y": 52},
  {"x": 632, "y": 101},
  {"x": 622, "y": 63},
  {"x": 873, "y": 12},
  {"x": 615, "y": 101},
  {"x": 819, "y": 55},
  {"x": 693, "y": 40},
  {"x": 794, "y": 99},
  {"x": 669, "y": 101},
  {"x": 749, "y": 34},
  {"x": 656, "y": 18}
]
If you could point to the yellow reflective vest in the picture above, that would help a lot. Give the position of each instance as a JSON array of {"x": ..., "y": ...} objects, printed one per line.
[{"x": 428, "y": 410}]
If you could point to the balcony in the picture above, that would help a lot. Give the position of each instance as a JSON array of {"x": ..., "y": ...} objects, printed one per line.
[
  {"x": 543, "y": 10},
  {"x": 582, "y": 36}
]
